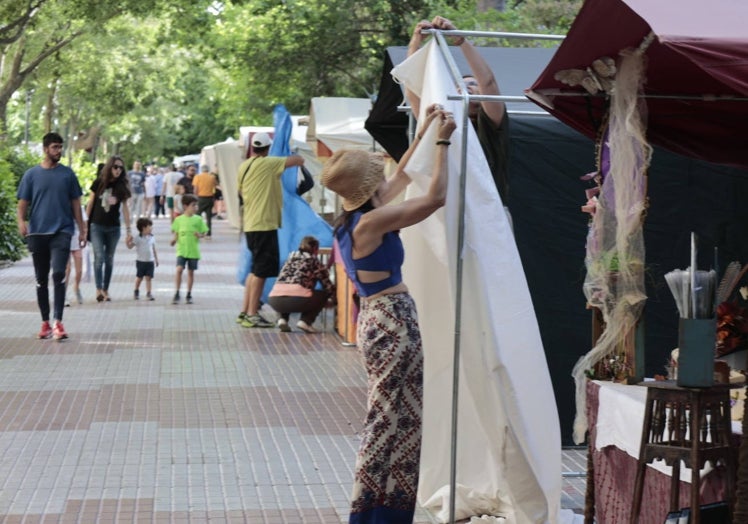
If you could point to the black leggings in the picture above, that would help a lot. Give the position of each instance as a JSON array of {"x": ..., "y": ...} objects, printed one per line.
[
  {"x": 309, "y": 307},
  {"x": 205, "y": 205},
  {"x": 50, "y": 251}
]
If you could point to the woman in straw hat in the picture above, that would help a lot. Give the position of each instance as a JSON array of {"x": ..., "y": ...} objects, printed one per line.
[{"x": 386, "y": 475}]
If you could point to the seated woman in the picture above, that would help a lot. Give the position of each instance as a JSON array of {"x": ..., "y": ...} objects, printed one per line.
[{"x": 294, "y": 291}]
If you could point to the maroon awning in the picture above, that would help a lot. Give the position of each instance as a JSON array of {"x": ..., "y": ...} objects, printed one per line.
[{"x": 699, "y": 57}]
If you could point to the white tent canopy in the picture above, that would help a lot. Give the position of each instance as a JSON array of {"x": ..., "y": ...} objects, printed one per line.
[
  {"x": 224, "y": 160},
  {"x": 338, "y": 123},
  {"x": 180, "y": 161},
  {"x": 320, "y": 198},
  {"x": 508, "y": 446}
]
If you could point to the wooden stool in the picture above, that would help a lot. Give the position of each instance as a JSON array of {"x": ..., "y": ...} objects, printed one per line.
[{"x": 688, "y": 424}]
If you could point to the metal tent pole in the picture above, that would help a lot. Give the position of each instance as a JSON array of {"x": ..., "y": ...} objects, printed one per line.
[
  {"x": 458, "y": 271},
  {"x": 497, "y": 34}
]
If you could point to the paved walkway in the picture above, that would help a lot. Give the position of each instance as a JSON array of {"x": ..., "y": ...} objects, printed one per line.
[{"x": 152, "y": 412}]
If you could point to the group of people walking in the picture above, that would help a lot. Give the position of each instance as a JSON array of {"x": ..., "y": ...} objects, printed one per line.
[
  {"x": 56, "y": 228},
  {"x": 50, "y": 211}
]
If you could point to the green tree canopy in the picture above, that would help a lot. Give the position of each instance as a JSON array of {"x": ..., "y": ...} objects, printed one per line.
[{"x": 155, "y": 79}]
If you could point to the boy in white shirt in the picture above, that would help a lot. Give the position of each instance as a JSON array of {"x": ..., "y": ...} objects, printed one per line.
[{"x": 146, "y": 258}]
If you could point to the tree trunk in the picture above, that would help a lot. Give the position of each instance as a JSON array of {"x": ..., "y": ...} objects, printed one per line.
[
  {"x": 4, "y": 119},
  {"x": 49, "y": 108}
]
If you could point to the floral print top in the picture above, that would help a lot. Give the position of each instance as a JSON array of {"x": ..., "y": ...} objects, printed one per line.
[{"x": 300, "y": 275}]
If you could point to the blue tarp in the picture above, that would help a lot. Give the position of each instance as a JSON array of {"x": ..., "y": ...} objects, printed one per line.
[{"x": 298, "y": 219}]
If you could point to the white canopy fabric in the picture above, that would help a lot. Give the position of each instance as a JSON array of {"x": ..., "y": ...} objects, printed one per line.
[
  {"x": 339, "y": 124},
  {"x": 320, "y": 198},
  {"x": 180, "y": 161},
  {"x": 224, "y": 159},
  {"x": 509, "y": 445}
]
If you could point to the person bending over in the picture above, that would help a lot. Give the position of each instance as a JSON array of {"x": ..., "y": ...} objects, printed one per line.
[{"x": 294, "y": 289}]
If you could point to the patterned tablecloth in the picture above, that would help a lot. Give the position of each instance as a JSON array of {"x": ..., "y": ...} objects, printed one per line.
[{"x": 614, "y": 472}]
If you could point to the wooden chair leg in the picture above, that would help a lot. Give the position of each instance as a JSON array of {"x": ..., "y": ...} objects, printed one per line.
[
  {"x": 641, "y": 466},
  {"x": 695, "y": 462},
  {"x": 675, "y": 487}
]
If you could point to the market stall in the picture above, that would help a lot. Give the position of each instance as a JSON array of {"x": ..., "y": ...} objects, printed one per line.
[
  {"x": 632, "y": 73},
  {"x": 616, "y": 414}
]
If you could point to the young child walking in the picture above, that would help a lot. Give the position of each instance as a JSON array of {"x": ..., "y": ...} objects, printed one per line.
[
  {"x": 76, "y": 261},
  {"x": 178, "y": 208},
  {"x": 146, "y": 258},
  {"x": 188, "y": 229}
]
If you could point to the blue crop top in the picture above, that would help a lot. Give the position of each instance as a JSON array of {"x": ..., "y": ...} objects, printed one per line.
[{"x": 388, "y": 256}]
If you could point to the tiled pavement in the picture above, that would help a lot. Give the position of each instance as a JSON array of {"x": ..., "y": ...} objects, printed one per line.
[{"x": 158, "y": 413}]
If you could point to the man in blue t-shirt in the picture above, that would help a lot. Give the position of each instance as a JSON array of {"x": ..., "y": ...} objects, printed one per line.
[
  {"x": 137, "y": 186},
  {"x": 49, "y": 205}
]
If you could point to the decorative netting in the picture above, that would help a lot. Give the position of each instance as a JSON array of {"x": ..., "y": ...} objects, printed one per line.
[{"x": 615, "y": 243}]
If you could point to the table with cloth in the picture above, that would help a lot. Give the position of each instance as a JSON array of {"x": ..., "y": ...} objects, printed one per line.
[{"x": 616, "y": 415}]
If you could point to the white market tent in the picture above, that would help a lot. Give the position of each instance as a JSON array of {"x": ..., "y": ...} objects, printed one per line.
[
  {"x": 338, "y": 123},
  {"x": 180, "y": 161},
  {"x": 318, "y": 197},
  {"x": 224, "y": 159}
]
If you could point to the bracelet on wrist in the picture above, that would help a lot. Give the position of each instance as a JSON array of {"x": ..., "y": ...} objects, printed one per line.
[{"x": 443, "y": 142}]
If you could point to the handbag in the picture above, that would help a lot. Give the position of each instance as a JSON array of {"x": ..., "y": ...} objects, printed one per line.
[
  {"x": 241, "y": 183},
  {"x": 307, "y": 181}
]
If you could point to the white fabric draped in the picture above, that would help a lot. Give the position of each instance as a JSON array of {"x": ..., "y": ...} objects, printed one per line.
[
  {"x": 509, "y": 446},
  {"x": 225, "y": 158}
]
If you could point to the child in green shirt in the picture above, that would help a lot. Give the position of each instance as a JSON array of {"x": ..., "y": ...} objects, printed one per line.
[{"x": 188, "y": 229}]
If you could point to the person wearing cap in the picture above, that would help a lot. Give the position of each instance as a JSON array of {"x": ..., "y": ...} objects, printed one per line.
[
  {"x": 204, "y": 185},
  {"x": 489, "y": 117},
  {"x": 259, "y": 183},
  {"x": 388, "y": 336}
]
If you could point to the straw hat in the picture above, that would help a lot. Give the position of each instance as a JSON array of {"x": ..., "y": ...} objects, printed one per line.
[{"x": 355, "y": 175}]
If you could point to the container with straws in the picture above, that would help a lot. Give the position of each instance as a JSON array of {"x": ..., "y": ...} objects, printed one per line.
[{"x": 694, "y": 292}]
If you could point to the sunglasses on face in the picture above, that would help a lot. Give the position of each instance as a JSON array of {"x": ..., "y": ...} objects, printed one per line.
[{"x": 115, "y": 166}]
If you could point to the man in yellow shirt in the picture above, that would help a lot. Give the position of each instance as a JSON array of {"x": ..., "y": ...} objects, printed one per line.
[
  {"x": 260, "y": 188},
  {"x": 204, "y": 185}
]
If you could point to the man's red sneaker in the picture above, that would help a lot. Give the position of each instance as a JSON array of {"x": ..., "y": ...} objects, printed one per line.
[
  {"x": 45, "y": 331},
  {"x": 58, "y": 332}
]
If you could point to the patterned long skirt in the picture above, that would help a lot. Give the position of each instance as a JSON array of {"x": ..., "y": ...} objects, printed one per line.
[{"x": 386, "y": 476}]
